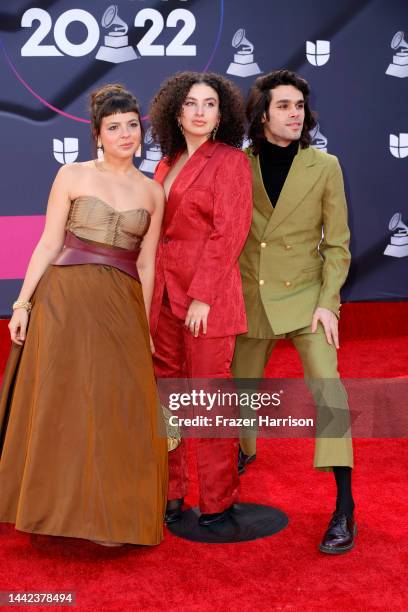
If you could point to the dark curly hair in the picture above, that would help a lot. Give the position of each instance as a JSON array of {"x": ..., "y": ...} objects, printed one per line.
[
  {"x": 167, "y": 104},
  {"x": 111, "y": 99},
  {"x": 258, "y": 105}
]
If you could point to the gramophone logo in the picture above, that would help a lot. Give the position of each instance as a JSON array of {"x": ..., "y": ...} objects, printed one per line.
[
  {"x": 399, "y": 65},
  {"x": 246, "y": 143},
  {"x": 65, "y": 151},
  {"x": 398, "y": 246},
  {"x": 153, "y": 154},
  {"x": 116, "y": 48},
  {"x": 318, "y": 53},
  {"x": 399, "y": 145},
  {"x": 243, "y": 64},
  {"x": 319, "y": 141}
]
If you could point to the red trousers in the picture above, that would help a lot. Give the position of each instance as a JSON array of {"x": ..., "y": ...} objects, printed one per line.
[{"x": 179, "y": 355}]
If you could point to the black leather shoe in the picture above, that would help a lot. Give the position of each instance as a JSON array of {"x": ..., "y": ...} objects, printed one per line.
[
  {"x": 215, "y": 517},
  {"x": 244, "y": 460},
  {"x": 173, "y": 510},
  {"x": 340, "y": 535}
]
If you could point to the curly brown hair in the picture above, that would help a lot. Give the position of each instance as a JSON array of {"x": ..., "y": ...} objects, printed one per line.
[
  {"x": 260, "y": 97},
  {"x": 167, "y": 104},
  {"x": 108, "y": 100}
]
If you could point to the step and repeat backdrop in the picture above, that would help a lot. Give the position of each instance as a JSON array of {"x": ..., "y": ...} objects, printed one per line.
[{"x": 354, "y": 53}]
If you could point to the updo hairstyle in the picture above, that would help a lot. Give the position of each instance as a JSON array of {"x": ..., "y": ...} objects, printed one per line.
[{"x": 108, "y": 100}]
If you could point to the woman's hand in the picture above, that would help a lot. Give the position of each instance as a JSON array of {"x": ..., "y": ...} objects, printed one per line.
[
  {"x": 18, "y": 326},
  {"x": 196, "y": 315}
]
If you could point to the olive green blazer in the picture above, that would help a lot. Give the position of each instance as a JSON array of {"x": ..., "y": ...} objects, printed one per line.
[{"x": 297, "y": 256}]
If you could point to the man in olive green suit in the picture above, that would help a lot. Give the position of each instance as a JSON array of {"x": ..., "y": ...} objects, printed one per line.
[{"x": 293, "y": 265}]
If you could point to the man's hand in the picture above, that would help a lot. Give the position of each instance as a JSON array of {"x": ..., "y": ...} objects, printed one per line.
[
  {"x": 197, "y": 315},
  {"x": 330, "y": 325}
]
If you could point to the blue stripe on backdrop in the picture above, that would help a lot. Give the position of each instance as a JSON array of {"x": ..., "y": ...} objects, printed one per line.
[{"x": 9, "y": 290}]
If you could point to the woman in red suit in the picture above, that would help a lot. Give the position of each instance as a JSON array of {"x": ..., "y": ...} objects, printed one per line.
[{"x": 198, "y": 308}]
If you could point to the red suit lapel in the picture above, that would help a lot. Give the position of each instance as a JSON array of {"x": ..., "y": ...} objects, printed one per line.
[{"x": 187, "y": 175}]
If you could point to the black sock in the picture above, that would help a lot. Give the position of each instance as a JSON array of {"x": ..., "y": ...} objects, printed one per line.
[{"x": 344, "y": 502}]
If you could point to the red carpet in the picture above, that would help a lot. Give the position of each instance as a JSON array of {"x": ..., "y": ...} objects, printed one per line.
[{"x": 283, "y": 572}]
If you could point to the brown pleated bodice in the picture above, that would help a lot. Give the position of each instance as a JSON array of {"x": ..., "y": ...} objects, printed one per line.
[{"x": 91, "y": 218}]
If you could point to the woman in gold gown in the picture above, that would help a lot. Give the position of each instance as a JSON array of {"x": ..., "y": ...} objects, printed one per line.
[{"x": 82, "y": 454}]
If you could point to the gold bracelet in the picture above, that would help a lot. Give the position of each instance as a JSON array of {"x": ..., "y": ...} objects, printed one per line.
[{"x": 21, "y": 304}]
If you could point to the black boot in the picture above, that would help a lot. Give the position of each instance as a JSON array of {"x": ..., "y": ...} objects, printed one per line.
[
  {"x": 173, "y": 510},
  {"x": 244, "y": 460},
  {"x": 340, "y": 534},
  {"x": 215, "y": 517}
]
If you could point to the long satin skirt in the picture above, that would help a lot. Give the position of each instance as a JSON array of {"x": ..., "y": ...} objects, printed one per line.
[{"x": 81, "y": 450}]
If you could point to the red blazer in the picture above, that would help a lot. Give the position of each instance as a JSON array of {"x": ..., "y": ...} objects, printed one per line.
[{"x": 206, "y": 222}]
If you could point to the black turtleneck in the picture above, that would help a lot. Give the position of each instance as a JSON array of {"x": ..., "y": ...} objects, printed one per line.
[{"x": 275, "y": 164}]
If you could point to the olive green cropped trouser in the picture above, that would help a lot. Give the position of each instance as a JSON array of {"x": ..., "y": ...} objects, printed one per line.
[{"x": 319, "y": 360}]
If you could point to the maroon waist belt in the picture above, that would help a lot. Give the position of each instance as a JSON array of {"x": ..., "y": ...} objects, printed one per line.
[{"x": 76, "y": 251}]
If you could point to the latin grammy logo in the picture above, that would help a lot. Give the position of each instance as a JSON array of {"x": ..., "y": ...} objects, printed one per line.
[
  {"x": 243, "y": 64},
  {"x": 116, "y": 48},
  {"x": 246, "y": 143},
  {"x": 319, "y": 141},
  {"x": 65, "y": 151},
  {"x": 399, "y": 145},
  {"x": 399, "y": 65},
  {"x": 318, "y": 53},
  {"x": 153, "y": 154},
  {"x": 398, "y": 246}
]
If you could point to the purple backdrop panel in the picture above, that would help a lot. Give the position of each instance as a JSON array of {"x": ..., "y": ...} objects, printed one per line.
[{"x": 354, "y": 54}]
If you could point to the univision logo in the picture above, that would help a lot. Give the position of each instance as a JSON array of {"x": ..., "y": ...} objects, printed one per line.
[
  {"x": 318, "y": 53},
  {"x": 399, "y": 145},
  {"x": 65, "y": 151}
]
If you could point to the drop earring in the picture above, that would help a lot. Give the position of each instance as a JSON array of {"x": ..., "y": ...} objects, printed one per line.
[
  {"x": 214, "y": 132},
  {"x": 99, "y": 151},
  {"x": 180, "y": 126}
]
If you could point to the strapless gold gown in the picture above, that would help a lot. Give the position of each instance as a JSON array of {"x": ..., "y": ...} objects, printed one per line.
[{"x": 81, "y": 454}]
